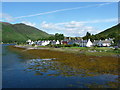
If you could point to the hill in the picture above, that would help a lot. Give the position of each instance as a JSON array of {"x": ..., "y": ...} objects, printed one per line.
[
  {"x": 111, "y": 32},
  {"x": 20, "y": 32}
]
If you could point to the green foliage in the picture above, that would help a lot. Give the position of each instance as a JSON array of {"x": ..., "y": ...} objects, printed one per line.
[
  {"x": 51, "y": 38},
  {"x": 112, "y": 35},
  {"x": 88, "y": 35},
  {"x": 33, "y": 44},
  {"x": 117, "y": 40},
  {"x": 113, "y": 32},
  {"x": 74, "y": 45},
  {"x": 59, "y": 36},
  {"x": 68, "y": 45},
  {"x": 20, "y": 32},
  {"x": 62, "y": 45}
]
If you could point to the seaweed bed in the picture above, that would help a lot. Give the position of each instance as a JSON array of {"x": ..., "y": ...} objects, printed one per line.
[{"x": 96, "y": 64}]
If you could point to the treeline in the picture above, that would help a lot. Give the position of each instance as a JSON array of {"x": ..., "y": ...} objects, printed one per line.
[{"x": 56, "y": 37}]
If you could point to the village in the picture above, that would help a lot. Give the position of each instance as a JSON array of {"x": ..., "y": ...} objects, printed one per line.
[{"x": 79, "y": 43}]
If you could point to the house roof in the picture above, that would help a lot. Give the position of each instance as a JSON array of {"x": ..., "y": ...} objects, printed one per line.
[
  {"x": 106, "y": 41},
  {"x": 77, "y": 41},
  {"x": 83, "y": 41},
  {"x": 96, "y": 41}
]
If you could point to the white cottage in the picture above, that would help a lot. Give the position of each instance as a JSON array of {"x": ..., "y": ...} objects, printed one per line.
[
  {"x": 57, "y": 42},
  {"x": 103, "y": 43},
  {"x": 106, "y": 43},
  {"x": 29, "y": 42},
  {"x": 89, "y": 43},
  {"x": 44, "y": 43}
]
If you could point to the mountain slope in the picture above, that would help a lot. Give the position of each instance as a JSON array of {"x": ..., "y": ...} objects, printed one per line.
[
  {"x": 111, "y": 32},
  {"x": 20, "y": 32}
]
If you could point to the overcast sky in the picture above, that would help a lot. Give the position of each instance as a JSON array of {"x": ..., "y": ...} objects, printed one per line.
[{"x": 69, "y": 18}]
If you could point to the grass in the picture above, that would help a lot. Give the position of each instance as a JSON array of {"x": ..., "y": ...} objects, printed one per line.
[
  {"x": 82, "y": 48},
  {"x": 42, "y": 46},
  {"x": 100, "y": 53},
  {"x": 93, "y": 51}
]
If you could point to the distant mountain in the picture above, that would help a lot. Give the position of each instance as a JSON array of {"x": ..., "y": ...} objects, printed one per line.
[
  {"x": 20, "y": 32},
  {"x": 110, "y": 32}
]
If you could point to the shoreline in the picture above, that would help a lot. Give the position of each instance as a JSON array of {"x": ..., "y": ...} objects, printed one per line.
[
  {"x": 29, "y": 47},
  {"x": 71, "y": 50}
]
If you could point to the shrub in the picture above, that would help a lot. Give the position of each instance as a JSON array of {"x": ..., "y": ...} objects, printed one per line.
[
  {"x": 33, "y": 44},
  {"x": 75, "y": 44},
  {"x": 68, "y": 45}
]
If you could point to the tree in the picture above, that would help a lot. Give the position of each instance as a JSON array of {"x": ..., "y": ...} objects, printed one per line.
[
  {"x": 59, "y": 37},
  {"x": 112, "y": 35},
  {"x": 102, "y": 37},
  {"x": 117, "y": 40},
  {"x": 51, "y": 38},
  {"x": 92, "y": 37},
  {"x": 88, "y": 35}
]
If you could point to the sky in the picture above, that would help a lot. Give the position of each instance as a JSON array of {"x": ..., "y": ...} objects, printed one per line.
[{"x": 69, "y": 18}]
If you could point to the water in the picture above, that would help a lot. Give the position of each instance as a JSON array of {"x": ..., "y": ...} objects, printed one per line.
[{"x": 45, "y": 73}]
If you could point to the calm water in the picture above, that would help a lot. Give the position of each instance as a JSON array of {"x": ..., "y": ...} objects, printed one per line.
[{"x": 39, "y": 73}]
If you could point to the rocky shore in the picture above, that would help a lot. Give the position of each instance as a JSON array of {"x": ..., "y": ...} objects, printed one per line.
[{"x": 30, "y": 47}]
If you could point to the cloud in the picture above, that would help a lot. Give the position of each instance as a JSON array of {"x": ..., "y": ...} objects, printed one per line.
[
  {"x": 102, "y": 20},
  {"x": 59, "y": 10},
  {"x": 29, "y": 23},
  {"x": 73, "y": 28},
  {"x": 103, "y": 4},
  {"x": 6, "y": 17}
]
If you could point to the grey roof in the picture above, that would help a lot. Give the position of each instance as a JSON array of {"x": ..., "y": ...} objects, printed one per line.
[
  {"x": 78, "y": 41},
  {"x": 106, "y": 41},
  {"x": 83, "y": 41},
  {"x": 96, "y": 41}
]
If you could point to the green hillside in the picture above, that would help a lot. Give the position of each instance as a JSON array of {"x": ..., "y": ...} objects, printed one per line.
[
  {"x": 111, "y": 32},
  {"x": 20, "y": 32}
]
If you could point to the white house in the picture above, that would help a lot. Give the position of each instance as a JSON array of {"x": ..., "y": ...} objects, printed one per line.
[
  {"x": 30, "y": 42},
  {"x": 44, "y": 43},
  {"x": 103, "y": 43},
  {"x": 57, "y": 42},
  {"x": 106, "y": 43},
  {"x": 89, "y": 43}
]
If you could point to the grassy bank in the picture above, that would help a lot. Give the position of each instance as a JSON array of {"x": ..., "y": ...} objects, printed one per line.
[{"x": 90, "y": 51}]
